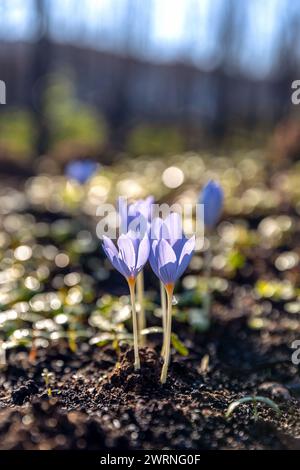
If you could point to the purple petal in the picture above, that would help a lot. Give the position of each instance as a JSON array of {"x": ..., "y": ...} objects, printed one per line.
[
  {"x": 174, "y": 225},
  {"x": 143, "y": 253},
  {"x": 185, "y": 256},
  {"x": 116, "y": 262},
  {"x": 123, "y": 268},
  {"x": 110, "y": 255},
  {"x": 159, "y": 229},
  {"x": 135, "y": 240},
  {"x": 178, "y": 246},
  {"x": 167, "y": 263},
  {"x": 127, "y": 251},
  {"x": 108, "y": 244},
  {"x": 153, "y": 259}
]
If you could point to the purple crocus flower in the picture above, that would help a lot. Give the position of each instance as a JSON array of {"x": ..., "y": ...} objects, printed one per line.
[
  {"x": 137, "y": 217},
  {"x": 171, "y": 250},
  {"x": 170, "y": 255},
  {"x": 81, "y": 170},
  {"x": 212, "y": 198},
  {"x": 129, "y": 258},
  {"x": 131, "y": 255}
]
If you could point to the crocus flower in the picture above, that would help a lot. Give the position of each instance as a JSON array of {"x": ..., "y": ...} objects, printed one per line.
[
  {"x": 137, "y": 216},
  {"x": 170, "y": 251},
  {"x": 170, "y": 255},
  {"x": 140, "y": 210},
  {"x": 212, "y": 198},
  {"x": 81, "y": 170},
  {"x": 131, "y": 255},
  {"x": 129, "y": 258}
]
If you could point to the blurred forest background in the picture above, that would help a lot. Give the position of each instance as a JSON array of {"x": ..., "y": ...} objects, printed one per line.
[{"x": 104, "y": 78}]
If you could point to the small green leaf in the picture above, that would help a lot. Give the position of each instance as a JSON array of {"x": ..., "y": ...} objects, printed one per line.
[
  {"x": 178, "y": 345},
  {"x": 116, "y": 346},
  {"x": 236, "y": 260},
  {"x": 151, "y": 330},
  {"x": 254, "y": 400},
  {"x": 102, "y": 339}
]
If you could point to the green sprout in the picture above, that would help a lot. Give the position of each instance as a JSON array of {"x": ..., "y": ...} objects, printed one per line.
[
  {"x": 72, "y": 340},
  {"x": 49, "y": 378},
  {"x": 254, "y": 400}
]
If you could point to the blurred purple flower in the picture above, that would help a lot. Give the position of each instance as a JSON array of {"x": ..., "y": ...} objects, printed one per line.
[
  {"x": 130, "y": 255},
  {"x": 212, "y": 198},
  {"x": 171, "y": 250},
  {"x": 81, "y": 170},
  {"x": 141, "y": 209}
]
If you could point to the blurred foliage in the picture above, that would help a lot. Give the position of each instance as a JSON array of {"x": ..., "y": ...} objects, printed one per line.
[
  {"x": 235, "y": 260},
  {"x": 275, "y": 289},
  {"x": 69, "y": 120},
  {"x": 56, "y": 285},
  {"x": 17, "y": 134},
  {"x": 155, "y": 140}
]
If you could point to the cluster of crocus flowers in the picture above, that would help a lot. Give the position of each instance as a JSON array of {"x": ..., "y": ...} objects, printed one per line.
[{"x": 169, "y": 251}]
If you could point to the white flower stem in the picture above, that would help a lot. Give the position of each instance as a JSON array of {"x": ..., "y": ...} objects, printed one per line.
[
  {"x": 163, "y": 302},
  {"x": 140, "y": 299},
  {"x": 2, "y": 354},
  {"x": 164, "y": 371},
  {"x": 131, "y": 284}
]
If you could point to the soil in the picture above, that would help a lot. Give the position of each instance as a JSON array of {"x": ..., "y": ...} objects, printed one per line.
[{"x": 99, "y": 402}]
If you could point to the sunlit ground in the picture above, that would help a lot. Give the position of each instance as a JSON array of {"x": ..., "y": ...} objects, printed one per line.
[{"x": 56, "y": 283}]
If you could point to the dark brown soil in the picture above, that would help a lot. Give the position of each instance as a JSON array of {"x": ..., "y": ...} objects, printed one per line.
[{"x": 101, "y": 403}]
